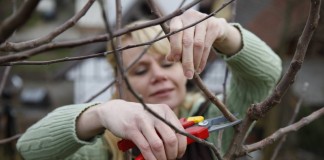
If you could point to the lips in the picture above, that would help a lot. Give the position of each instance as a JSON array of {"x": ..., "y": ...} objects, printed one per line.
[{"x": 162, "y": 92}]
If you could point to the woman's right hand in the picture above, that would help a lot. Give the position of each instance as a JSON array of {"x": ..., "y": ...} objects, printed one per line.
[{"x": 131, "y": 121}]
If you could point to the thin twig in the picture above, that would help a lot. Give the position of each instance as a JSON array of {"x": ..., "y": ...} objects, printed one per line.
[
  {"x": 99, "y": 38},
  {"x": 225, "y": 84},
  {"x": 284, "y": 131},
  {"x": 221, "y": 106},
  {"x": 11, "y": 46},
  {"x": 100, "y": 92},
  {"x": 4, "y": 79},
  {"x": 118, "y": 45},
  {"x": 10, "y": 24},
  {"x": 7, "y": 140},
  {"x": 292, "y": 120}
]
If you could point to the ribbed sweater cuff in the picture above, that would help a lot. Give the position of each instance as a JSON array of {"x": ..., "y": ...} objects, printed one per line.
[
  {"x": 254, "y": 52},
  {"x": 54, "y": 136},
  {"x": 67, "y": 131}
]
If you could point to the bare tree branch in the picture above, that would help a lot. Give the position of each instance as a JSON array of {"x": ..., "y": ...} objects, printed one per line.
[
  {"x": 221, "y": 106},
  {"x": 118, "y": 44},
  {"x": 66, "y": 59},
  {"x": 257, "y": 111},
  {"x": 7, "y": 140},
  {"x": 100, "y": 38},
  {"x": 10, "y": 46},
  {"x": 134, "y": 62},
  {"x": 284, "y": 131},
  {"x": 40, "y": 45},
  {"x": 100, "y": 92},
  {"x": 10, "y": 24},
  {"x": 4, "y": 79},
  {"x": 292, "y": 119}
]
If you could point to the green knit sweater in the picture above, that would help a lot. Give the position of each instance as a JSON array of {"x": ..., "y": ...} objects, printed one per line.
[{"x": 255, "y": 71}]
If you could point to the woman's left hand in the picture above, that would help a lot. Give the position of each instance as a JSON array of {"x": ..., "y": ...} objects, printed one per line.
[{"x": 192, "y": 46}]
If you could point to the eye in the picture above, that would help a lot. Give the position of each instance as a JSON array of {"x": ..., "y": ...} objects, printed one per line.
[
  {"x": 140, "y": 70},
  {"x": 166, "y": 64}
]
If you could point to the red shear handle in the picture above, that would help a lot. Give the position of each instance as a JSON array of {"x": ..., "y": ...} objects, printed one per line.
[
  {"x": 197, "y": 131},
  {"x": 125, "y": 145}
]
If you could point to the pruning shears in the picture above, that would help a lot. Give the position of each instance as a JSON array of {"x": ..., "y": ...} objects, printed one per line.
[{"x": 197, "y": 126}]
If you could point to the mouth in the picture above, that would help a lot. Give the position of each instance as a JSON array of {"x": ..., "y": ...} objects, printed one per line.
[{"x": 161, "y": 93}]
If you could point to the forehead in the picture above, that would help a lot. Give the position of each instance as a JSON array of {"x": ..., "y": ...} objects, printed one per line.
[{"x": 132, "y": 54}]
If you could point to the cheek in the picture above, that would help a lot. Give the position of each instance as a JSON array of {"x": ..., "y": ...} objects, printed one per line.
[
  {"x": 179, "y": 74},
  {"x": 139, "y": 85},
  {"x": 182, "y": 84},
  {"x": 179, "y": 77}
]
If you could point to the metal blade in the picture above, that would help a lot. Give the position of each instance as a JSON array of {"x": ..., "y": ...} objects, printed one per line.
[{"x": 222, "y": 126}]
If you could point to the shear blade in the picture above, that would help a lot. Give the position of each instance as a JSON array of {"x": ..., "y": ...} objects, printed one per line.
[{"x": 222, "y": 126}]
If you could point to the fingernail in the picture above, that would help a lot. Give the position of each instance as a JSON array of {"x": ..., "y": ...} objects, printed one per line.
[
  {"x": 198, "y": 70},
  {"x": 189, "y": 74}
]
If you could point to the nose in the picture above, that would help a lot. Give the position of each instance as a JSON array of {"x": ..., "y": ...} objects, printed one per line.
[{"x": 158, "y": 74}]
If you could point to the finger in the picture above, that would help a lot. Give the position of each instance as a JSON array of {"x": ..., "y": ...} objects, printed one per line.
[
  {"x": 199, "y": 44},
  {"x": 175, "y": 40},
  {"x": 182, "y": 140},
  {"x": 143, "y": 145},
  {"x": 154, "y": 140},
  {"x": 169, "y": 139},
  {"x": 182, "y": 145},
  {"x": 187, "y": 52},
  {"x": 212, "y": 35}
]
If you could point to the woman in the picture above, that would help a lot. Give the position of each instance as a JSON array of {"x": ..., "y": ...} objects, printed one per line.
[{"x": 255, "y": 70}]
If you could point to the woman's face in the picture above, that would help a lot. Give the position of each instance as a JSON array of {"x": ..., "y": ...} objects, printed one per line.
[{"x": 155, "y": 79}]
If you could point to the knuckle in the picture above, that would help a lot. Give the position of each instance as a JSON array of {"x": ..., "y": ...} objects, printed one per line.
[
  {"x": 187, "y": 64},
  {"x": 222, "y": 20},
  {"x": 213, "y": 24},
  {"x": 144, "y": 147},
  {"x": 130, "y": 131},
  {"x": 171, "y": 141},
  {"x": 139, "y": 118},
  {"x": 157, "y": 145},
  {"x": 187, "y": 42},
  {"x": 199, "y": 43}
]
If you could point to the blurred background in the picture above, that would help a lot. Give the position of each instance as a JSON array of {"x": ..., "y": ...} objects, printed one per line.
[{"x": 32, "y": 91}]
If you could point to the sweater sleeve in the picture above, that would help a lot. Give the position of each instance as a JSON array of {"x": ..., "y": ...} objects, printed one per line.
[
  {"x": 54, "y": 136},
  {"x": 255, "y": 71}
]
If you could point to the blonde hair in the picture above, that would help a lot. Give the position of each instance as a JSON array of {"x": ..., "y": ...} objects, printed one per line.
[
  {"x": 139, "y": 36},
  {"x": 142, "y": 36}
]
